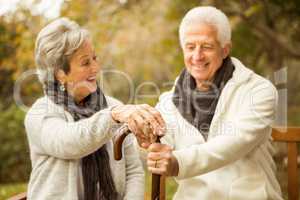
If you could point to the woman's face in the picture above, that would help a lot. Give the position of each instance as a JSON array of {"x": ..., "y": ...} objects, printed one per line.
[{"x": 80, "y": 81}]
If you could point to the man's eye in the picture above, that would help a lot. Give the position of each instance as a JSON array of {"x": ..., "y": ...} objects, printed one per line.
[
  {"x": 190, "y": 47},
  {"x": 207, "y": 47}
]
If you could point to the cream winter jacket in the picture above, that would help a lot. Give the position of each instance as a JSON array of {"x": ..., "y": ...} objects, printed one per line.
[
  {"x": 235, "y": 163},
  {"x": 57, "y": 144}
]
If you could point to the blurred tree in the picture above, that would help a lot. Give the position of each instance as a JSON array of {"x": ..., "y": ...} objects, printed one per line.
[
  {"x": 137, "y": 41},
  {"x": 14, "y": 154}
]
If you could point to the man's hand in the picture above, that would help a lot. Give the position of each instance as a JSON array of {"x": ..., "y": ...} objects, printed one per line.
[
  {"x": 161, "y": 160},
  {"x": 144, "y": 121}
]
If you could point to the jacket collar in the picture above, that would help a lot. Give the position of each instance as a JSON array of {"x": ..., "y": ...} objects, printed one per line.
[{"x": 240, "y": 75}]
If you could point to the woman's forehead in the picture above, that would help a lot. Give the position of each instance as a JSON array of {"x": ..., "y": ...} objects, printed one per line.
[{"x": 85, "y": 48}]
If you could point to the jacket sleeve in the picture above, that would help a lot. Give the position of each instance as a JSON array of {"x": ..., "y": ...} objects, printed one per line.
[
  {"x": 51, "y": 134},
  {"x": 135, "y": 178},
  {"x": 250, "y": 127}
]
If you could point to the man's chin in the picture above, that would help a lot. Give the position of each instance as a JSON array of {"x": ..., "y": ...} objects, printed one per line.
[{"x": 199, "y": 77}]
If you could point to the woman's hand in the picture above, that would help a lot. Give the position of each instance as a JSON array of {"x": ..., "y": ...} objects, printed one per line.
[
  {"x": 144, "y": 121},
  {"x": 161, "y": 160}
]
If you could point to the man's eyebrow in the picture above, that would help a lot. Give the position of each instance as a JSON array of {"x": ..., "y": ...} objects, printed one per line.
[{"x": 188, "y": 43}]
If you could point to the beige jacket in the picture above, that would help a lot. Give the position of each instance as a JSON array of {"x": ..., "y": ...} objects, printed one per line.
[
  {"x": 57, "y": 144},
  {"x": 236, "y": 162}
]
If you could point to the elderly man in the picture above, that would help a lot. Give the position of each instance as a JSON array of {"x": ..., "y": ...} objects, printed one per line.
[{"x": 219, "y": 116}]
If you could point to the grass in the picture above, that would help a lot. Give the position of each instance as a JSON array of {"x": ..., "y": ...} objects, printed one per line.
[
  {"x": 8, "y": 190},
  {"x": 171, "y": 187}
]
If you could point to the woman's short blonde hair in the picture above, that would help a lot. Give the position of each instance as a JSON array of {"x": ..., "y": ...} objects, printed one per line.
[
  {"x": 54, "y": 45},
  {"x": 206, "y": 15}
]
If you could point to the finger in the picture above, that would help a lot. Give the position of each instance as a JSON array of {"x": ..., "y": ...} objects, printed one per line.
[
  {"x": 140, "y": 141},
  {"x": 158, "y": 147},
  {"x": 156, "y": 114},
  {"x": 151, "y": 163},
  {"x": 161, "y": 171},
  {"x": 154, "y": 156},
  {"x": 157, "y": 163},
  {"x": 145, "y": 145},
  {"x": 135, "y": 130},
  {"x": 149, "y": 120},
  {"x": 141, "y": 124}
]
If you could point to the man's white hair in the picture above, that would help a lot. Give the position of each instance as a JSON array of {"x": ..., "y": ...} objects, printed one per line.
[
  {"x": 206, "y": 15},
  {"x": 54, "y": 45}
]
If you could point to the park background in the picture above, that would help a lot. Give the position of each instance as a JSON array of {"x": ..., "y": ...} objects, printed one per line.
[{"x": 137, "y": 42}]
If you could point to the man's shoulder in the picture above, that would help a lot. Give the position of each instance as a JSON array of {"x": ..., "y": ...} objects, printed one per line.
[
  {"x": 165, "y": 104},
  {"x": 249, "y": 78},
  {"x": 165, "y": 97}
]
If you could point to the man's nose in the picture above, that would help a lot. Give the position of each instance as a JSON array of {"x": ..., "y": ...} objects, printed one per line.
[{"x": 198, "y": 54}]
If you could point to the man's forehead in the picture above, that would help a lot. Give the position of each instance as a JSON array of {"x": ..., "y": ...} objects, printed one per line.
[
  {"x": 196, "y": 37},
  {"x": 200, "y": 32}
]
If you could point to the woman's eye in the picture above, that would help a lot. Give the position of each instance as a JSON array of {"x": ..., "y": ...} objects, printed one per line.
[
  {"x": 87, "y": 62},
  {"x": 95, "y": 58}
]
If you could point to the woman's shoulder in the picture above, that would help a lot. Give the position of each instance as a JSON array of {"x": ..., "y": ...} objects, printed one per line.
[
  {"x": 44, "y": 104},
  {"x": 42, "y": 107}
]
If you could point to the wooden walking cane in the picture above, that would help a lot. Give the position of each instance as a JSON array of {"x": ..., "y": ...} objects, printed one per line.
[
  {"x": 158, "y": 191},
  {"x": 123, "y": 132},
  {"x": 158, "y": 181}
]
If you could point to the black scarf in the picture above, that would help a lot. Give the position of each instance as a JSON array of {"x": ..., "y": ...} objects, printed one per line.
[
  {"x": 97, "y": 176},
  {"x": 198, "y": 107}
]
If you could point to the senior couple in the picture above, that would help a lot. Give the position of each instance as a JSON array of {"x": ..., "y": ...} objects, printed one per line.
[{"x": 215, "y": 123}]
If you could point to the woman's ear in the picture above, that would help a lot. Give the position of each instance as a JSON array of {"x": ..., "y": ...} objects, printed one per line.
[
  {"x": 61, "y": 76},
  {"x": 226, "y": 50}
]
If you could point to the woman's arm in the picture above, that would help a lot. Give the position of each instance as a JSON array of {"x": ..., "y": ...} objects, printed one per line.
[{"x": 51, "y": 134}]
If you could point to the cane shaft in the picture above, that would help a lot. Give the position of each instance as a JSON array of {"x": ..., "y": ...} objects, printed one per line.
[{"x": 158, "y": 185}]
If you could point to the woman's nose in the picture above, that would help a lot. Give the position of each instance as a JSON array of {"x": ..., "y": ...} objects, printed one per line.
[{"x": 95, "y": 67}]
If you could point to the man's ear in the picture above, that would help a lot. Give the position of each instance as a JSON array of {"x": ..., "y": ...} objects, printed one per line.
[
  {"x": 61, "y": 76},
  {"x": 226, "y": 50}
]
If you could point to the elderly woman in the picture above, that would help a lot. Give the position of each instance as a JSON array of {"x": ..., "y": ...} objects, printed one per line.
[
  {"x": 219, "y": 116},
  {"x": 70, "y": 129}
]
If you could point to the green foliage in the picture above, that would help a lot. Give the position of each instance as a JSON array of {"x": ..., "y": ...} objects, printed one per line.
[{"x": 14, "y": 154}]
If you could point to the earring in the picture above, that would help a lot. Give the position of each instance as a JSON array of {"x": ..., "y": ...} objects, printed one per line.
[{"x": 62, "y": 87}]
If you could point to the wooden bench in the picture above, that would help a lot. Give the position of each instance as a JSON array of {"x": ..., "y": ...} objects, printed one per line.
[{"x": 289, "y": 135}]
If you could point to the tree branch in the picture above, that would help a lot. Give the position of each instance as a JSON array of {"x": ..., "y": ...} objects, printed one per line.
[{"x": 274, "y": 37}]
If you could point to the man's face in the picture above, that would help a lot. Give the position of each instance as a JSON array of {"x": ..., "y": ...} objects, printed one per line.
[{"x": 203, "y": 54}]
